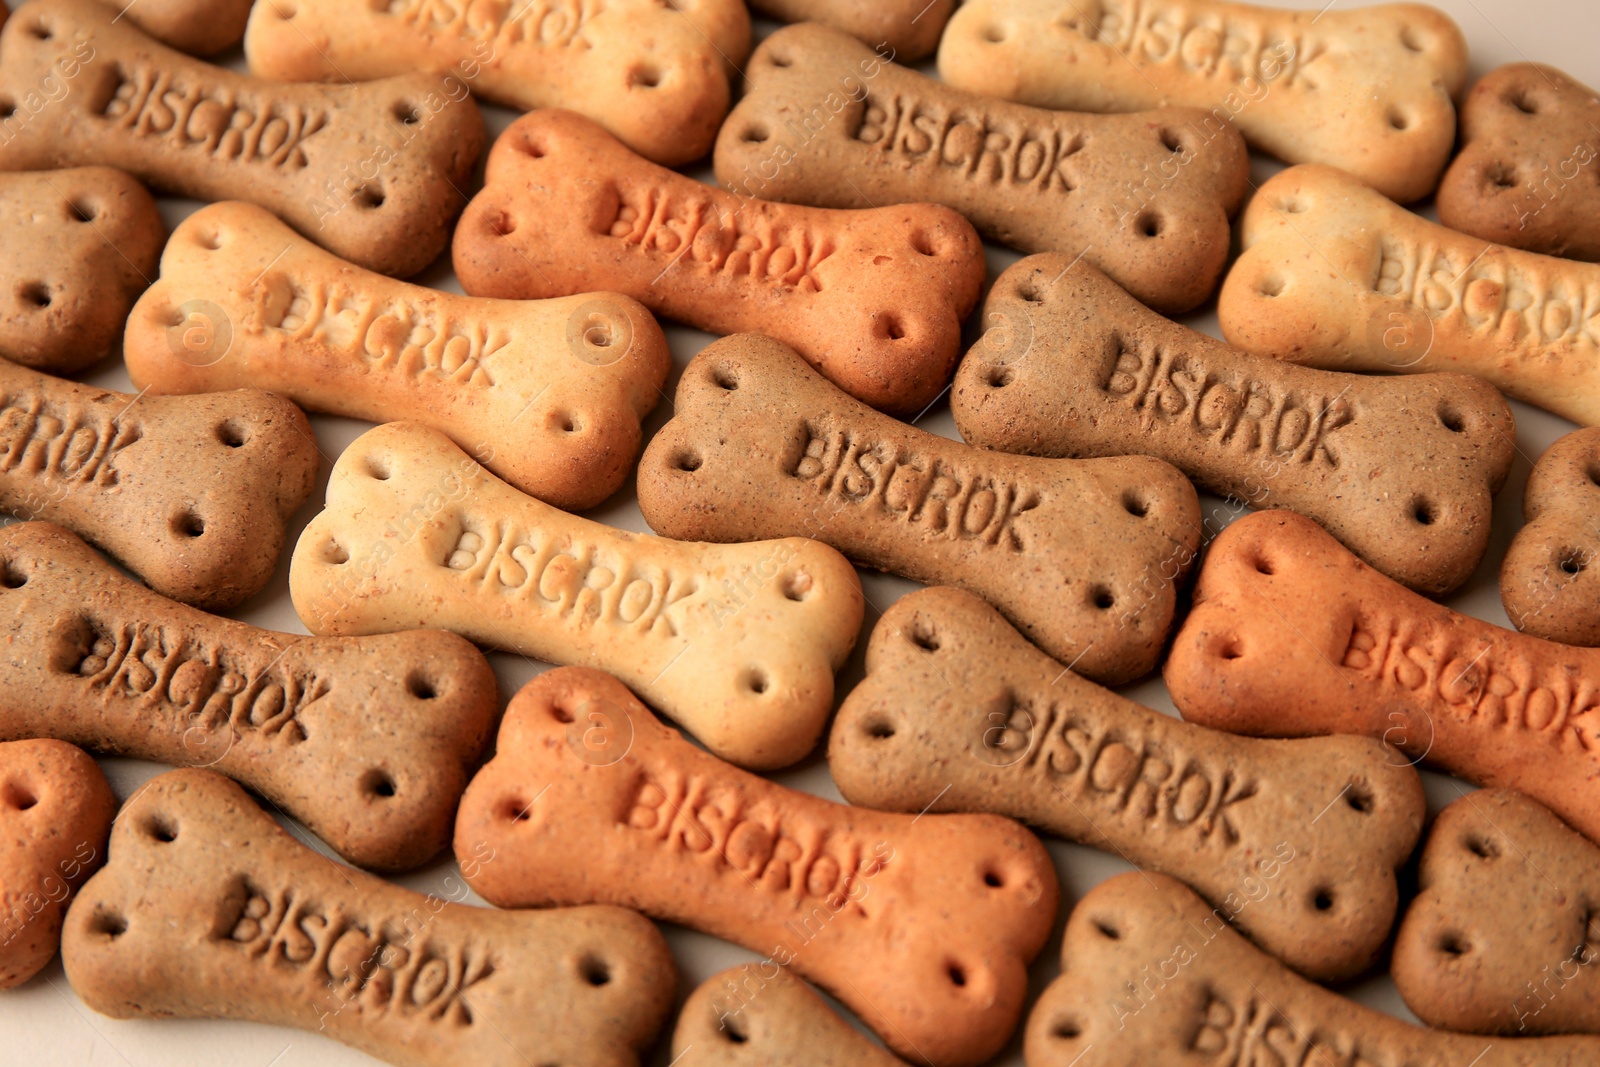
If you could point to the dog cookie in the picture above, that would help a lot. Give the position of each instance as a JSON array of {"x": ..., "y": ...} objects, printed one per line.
[
  {"x": 1528, "y": 139},
  {"x": 365, "y": 740},
  {"x": 1146, "y": 197},
  {"x": 1334, "y": 275},
  {"x": 1504, "y": 936},
  {"x": 760, "y": 1015},
  {"x": 738, "y": 643},
  {"x": 962, "y": 902},
  {"x": 1291, "y": 635},
  {"x": 190, "y": 493},
  {"x": 553, "y": 389},
  {"x": 199, "y": 27},
  {"x": 209, "y": 909},
  {"x": 906, "y": 30},
  {"x": 81, "y": 246},
  {"x": 1083, "y": 556},
  {"x": 1150, "y": 976},
  {"x": 652, "y": 72},
  {"x": 1368, "y": 90},
  {"x": 1546, "y": 580},
  {"x": 371, "y": 172},
  {"x": 55, "y": 811},
  {"x": 1074, "y": 366},
  {"x": 872, "y": 298},
  {"x": 1295, "y": 841}
]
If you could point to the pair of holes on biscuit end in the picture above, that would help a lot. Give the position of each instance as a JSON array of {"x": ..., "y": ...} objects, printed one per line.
[
  {"x": 1452, "y": 942},
  {"x": 37, "y": 294},
  {"x": 689, "y": 460}
]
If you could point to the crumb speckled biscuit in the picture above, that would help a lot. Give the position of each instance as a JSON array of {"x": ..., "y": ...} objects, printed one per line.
[
  {"x": 556, "y": 388},
  {"x": 922, "y": 927},
  {"x": 652, "y": 72},
  {"x": 1149, "y": 976},
  {"x": 199, "y": 27},
  {"x": 1291, "y": 635},
  {"x": 1084, "y": 556},
  {"x": 209, "y": 909},
  {"x": 1296, "y": 842},
  {"x": 1146, "y": 197},
  {"x": 1074, "y": 366},
  {"x": 1550, "y": 578},
  {"x": 190, "y": 493},
  {"x": 873, "y": 298},
  {"x": 1333, "y": 275},
  {"x": 1504, "y": 937},
  {"x": 365, "y": 740},
  {"x": 80, "y": 247},
  {"x": 55, "y": 811},
  {"x": 1369, "y": 89},
  {"x": 761, "y": 1015},
  {"x": 372, "y": 172},
  {"x": 738, "y": 643},
  {"x": 1525, "y": 174},
  {"x": 905, "y": 30}
]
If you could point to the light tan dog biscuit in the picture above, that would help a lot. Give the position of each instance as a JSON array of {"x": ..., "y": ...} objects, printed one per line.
[
  {"x": 905, "y": 30},
  {"x": 1504, "y": 937},
  {"x": 873, "y": 298},
  {"x": 209, "y": 909},
  {"x": 1074, "y": 366},
  {"x": 1296, "y": 842},
  {"x": 1335, "y": 276},
  {"x": 737, "y": 643},
  {"x": 81, "y": 246},
  {"x": 555, "y": 389},
  {"x": 825, "y": 122},
  {"x": 1151, "y": 977},
  {"x": 1548, "y": 580},
  {"x": 190, "y": 493},
  {"x": 199, "y": 27},
  {"x": 371, "y": 172},
  {"x": 1369, "y": 90},
  {"x": 922, "y": 927},
  {"x": 55, "y": 811},
  {"x": 367, "y": 741},
  {"x": 760, "y": 1015},
  {"x": 1083, "y": 556}
]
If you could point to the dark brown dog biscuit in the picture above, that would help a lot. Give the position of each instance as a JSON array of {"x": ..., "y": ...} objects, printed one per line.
[
  {"x": 1146, "y": 197},
  {"x": 199, "y": 27},
  {"x": 760, "y": 1015},
  {"x": 1550, "y": 578},
  {"x": 906, "y": 30},
  {"x": 81, "y": 245},
  {"x": 209, "y": 909},
  {"x": 1083, "y": 556},
  {"x": 365, "y": 740},
  {"x": 1402, "y": 470}
]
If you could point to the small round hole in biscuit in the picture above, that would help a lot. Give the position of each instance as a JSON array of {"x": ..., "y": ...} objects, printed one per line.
[
  {"x": 1398, "y": 120},
  {"x": 993, "y": 880},
  {"x": 160, "y": 828},
  {"x": 993, "y": 34},
  {"x": 1029, "y": 291},
  {"x": 188, "y": 524},
  {"x": 880, "y": 729},
  {"x": 756, "y": 681},
  {"x": 688, "y": 462},
  {"x": 378, "y": 783},
  {"x": 1322, "y": 899},
  {"x": 756, "y": 133},
  {"x": 18, "y": 796},
  {"x": 1572, "y": 561},
  {"x": 406, "y": 113},
  {"x": 644, "y": 76},
  {"x": 1134, "y": 504},
  {"x": 83, "y": 210},
  {"x": 1102, "y": 598},
  {"x": 1231, "y": 649},
  {"x": 376, "y": 468},
  {"x": 1149, "y": 224},
  {"x": 514, "y": 809},
  {"x": 1481, "y": 847},
  {"x": 108, "y": 923},
  {"x": 1108, "y": 930},
  {"x": 1270, "y": 286},
  {"x": 1451, "y": 419},
  {"x": 733, "y": 1030},
  {"x": 997, "y": 376},
  {"x": 1293, "y": 205},
  {"x": 1066, "y": 1029},
  {"x": 232, "y": 434},
  {"x": 1412, "y": 40},
  {"x": 957, "y": 974},
  {"x": 924, "y": 636},
  {"x": 796, "y": 585},
  {"x": 595, "y": 971},
  {"x": 39, "y": 31},
  {"x": 1523, "y": 101},
  {"x": 369, "y": 197},
  {"x": 1359, "y": 799},
  {"x": 893, "y": 329},
  {"x": 1170, "y": 140},
  {"x": 421, "y": 686},
  {"x": 8, "y": 107},
  {"x": 11, "y": 577},
  {"x": 567, "y": 422},
  {"x": 1264, "y": 566},
  {"x": 35, "y": 294},
  {"x": 780, "y": 59},
  {"x": 1422, "y": 512},
  {"x": 561, "y": 713},
  {"x": 923, "y": 243},
  {"x": 285, "y": 11},
  {"x": 1453, "y": 944},
  {"x": 724, "y": 378},
  {"x": 1500, "y": 175},
  {"x": 333, "y": 552}
]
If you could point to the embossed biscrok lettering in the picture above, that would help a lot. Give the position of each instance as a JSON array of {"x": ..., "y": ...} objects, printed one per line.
[
  {"x": 555, "y": 23},
  {"x": 62, "y": 443},
  {"x": 971, "y": 145},
  {"x": 1229, "y": 50},
  {"x": 1253, "y": 1031},
  {"x": 226, "y": 126}
]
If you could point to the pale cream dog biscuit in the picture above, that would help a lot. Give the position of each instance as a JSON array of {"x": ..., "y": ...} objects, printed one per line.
[
  {"x": 922, "y": 927},
  {"x": 1291, "y": 635},
  {"x": 190, "y": 493},
  {"x": 209, "y": 909},
  {"x": 873, "y": 298},
  {"x": 555, "y": 388},
  {"x": 1084, "y": 556},
  {"x": 80, "y": 247},
  {"x": 1369, "y": 90},
  {"x": 372, "y": 172},
  {"x": 1550, "y": 577},
  {"x": 760, "y": 1015},
  {"x": 199, "y": 27},
  {"x": 652, "y": 72},
  {"x": 1149, "y": 976},
  {"x": 55, "y": 811},
  {"x": 907, "y": 30},
  {"x": 1295, "y": 842},
  {"x": 1504, "y": 937},
  {"x": 367, "y": 741},
  {"x": 739, "y": 643},
  {"x": 1145, "y": 197},
  {"x": 1334, "y": 275},
  {"x": 1074, "y": 366}
]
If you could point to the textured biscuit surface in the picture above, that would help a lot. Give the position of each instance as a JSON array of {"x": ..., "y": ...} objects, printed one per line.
[
  {"x": 1550, "y": 578},
  {"x": 760, "y": 1015},
  {"x": 922, "y": 927},
  {"x": 199, "y": 27},
  {"x": 906, "y": 30}
]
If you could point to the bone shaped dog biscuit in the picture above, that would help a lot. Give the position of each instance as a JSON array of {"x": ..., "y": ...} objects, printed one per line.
[
  {"x": 906, "y": 30},
  {"x": 209, "y": 909},
  {"x": 199, "y": 27},
  {"x": 365, "y": 740},
  {"x": 922, "y": 927},
  {"x": 1548, "y": 580},
  {"x": 1073, "y": 366},
  {"x": 556, "y": 387},
  {"x": 737, "y": 643},
  {"x": 873, "y": 298},
  {"x": 1082, "y": 555},
  {"x": 372, "y": 172},
  {"x": 760, "y": 1015}
]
